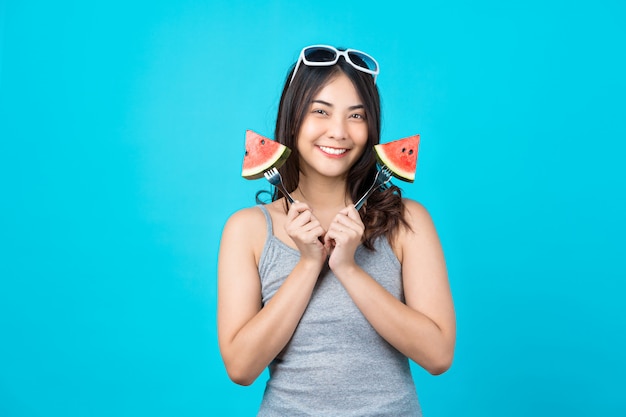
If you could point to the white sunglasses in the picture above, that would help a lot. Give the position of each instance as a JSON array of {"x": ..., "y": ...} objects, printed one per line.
[{"x": 325, "y": 55}]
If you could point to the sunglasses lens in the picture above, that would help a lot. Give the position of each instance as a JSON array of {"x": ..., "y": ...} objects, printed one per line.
[
  {"x": 318, "y": 54},
  {"x": 324, "y": 56},
  {"x": 363, "y": 60}
]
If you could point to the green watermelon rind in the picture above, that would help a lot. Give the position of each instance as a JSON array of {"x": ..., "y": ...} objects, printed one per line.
[
  {"x": 396, "y": 171},
  {"x": 275, "y": 160}
]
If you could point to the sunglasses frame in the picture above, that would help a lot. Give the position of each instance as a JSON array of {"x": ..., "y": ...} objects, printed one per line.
[{"x": 338, "y": 53}]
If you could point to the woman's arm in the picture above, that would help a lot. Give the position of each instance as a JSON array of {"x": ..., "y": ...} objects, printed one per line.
[
  {"x": 423, "y": 329},
  {"x": 250, "y": 337}
]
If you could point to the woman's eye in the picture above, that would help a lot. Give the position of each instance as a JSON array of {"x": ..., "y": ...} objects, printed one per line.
[
  {"x": 358, "y": 116},
  {"x": 319, "y": 111}
]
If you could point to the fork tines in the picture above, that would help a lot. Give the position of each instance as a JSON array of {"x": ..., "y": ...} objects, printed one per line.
[{"x": 274, "y": 178}]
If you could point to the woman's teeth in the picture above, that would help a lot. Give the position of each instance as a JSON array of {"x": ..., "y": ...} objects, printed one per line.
[{"x": 333, "y": 151}]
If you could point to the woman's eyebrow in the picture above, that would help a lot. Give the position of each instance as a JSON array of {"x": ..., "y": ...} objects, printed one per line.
[{"x": 325, "y": 103}]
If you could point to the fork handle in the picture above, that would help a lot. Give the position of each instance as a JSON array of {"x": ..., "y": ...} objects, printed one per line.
[
  {"x": 284, "y": 191},
  {"x": 378, "y": 182},
  {"x": 369, "y": 192}
]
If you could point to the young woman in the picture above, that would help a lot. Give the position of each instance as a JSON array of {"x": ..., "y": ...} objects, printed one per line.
[{"x": 332, "y": 299}]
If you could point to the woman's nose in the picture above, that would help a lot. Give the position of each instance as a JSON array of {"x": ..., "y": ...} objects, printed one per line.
[{"x": 337, "y": 129}]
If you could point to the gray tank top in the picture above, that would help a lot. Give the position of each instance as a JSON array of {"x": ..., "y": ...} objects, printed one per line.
[{"x": 335, "y": 364}]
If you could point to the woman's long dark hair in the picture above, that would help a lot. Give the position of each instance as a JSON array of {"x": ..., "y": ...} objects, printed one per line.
[{"x": 384, "y": 211}]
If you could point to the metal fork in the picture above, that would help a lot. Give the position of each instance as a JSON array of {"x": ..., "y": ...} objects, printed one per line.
[
  {"x": 274, "y": 177},
  {"x": 383, "y": 176}
]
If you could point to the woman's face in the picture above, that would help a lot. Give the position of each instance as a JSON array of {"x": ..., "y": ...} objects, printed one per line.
[{"x": 334, "y": 131}]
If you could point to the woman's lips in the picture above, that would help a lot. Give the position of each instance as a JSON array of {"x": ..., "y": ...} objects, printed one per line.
[{"x": 335, "y": 152}]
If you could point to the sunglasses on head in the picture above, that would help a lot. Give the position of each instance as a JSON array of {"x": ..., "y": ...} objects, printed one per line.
[{"x": 324, "y": 55}]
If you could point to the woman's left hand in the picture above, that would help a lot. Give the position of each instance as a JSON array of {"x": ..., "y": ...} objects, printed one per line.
[{"x": 343, "y": 237}]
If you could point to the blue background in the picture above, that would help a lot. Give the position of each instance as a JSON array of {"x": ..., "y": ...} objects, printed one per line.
[{"x": 122, "y": 128}]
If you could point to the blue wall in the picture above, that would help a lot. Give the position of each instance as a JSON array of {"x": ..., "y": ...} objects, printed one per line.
[{"x": 121, "y": 140}]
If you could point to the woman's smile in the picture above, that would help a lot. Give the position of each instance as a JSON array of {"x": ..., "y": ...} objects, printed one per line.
[{"x": 333, "y": 152}]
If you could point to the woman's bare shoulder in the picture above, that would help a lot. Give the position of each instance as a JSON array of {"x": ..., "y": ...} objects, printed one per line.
[
  {"x": 415, "y": 212},
  {"x": 246, "y": 222},
  {"x": 245, "y": 229},
  {"x": 421, "y": 228},
  {"x": 253, "y": 218},
  {"x": 419, "y": 222},
  {"x": 246, "y": 216}
]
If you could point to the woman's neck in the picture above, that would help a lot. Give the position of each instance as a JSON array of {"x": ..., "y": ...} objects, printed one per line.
[{"x": 322, "y": 193}]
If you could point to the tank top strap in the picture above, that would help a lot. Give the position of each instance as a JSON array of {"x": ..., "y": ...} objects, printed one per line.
[{"x": 268, "y": 219}]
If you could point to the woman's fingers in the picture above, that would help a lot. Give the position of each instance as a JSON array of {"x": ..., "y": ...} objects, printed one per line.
[
  {"x": 302, "y": 226},
  {"x": 348, "y": 220},
  {"x": 345, "y": 230},
  {"x": 298, "y": 216}
]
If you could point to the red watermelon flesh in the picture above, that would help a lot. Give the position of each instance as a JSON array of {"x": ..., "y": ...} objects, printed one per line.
[
  {"x": 262, "y": 154},
  {"x": 400, "y": 156}
]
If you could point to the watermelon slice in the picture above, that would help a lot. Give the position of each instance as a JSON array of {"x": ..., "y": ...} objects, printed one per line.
[
  {"x": 400, "y": 156},
  {"x": 262, "y": 154}
]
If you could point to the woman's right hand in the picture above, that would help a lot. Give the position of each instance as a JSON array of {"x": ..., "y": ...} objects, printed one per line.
[{"x": 306, "y": 232}]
